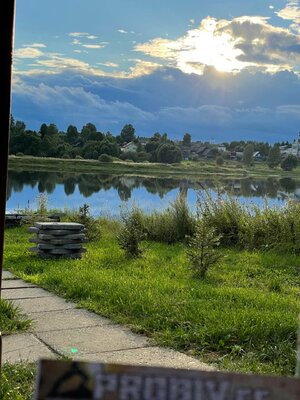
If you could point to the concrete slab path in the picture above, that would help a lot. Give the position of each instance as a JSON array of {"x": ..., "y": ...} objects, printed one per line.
[{"x": 59, "y": 329}]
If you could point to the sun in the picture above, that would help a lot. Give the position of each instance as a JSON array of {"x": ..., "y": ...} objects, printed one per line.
[{"x": 209, "y": 47}]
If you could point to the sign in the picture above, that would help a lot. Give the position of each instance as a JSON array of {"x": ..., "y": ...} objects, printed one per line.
[{"x": 84, "y": 380}]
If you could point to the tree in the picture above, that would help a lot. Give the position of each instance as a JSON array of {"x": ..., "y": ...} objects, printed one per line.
[
  {"x": 89, "y": 132},
  {"x": 132, "y": 232},
  {"x": 72, "y": 134},
  {"x": 128, "y": 133},
  {"x": 248, "y": 154},
  {"x": 201, "y": 251},
  {"x": 43, "y": 130},
  {"x": 52, "y": 130},
  {"x": 273, "y": 159},
  {"x": 187, "y": 139},
  {"x": 20, "y": 128},
  {"x": 169, "y": 153},
  {"x": 289, "y": 163}
]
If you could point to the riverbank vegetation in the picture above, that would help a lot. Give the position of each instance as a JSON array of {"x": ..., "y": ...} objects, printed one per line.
[
  {"x": 91, "y": 144},
  {"x": 240, "y": 316},
  {"x": 186, "y": 169}
]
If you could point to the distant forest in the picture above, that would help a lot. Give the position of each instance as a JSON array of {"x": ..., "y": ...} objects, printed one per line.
[{"x": 89, "y": 143}]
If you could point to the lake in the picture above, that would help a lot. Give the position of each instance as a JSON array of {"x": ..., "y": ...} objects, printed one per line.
[{"x": 107, "y": 194}]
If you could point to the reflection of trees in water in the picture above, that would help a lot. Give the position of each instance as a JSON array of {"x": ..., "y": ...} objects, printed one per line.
[
  {"x": 288, "y": 184},
  {"x": 89, "y": 184},
  {"x": 272, "y": 186},
  {"x": 69, "y": 185}
]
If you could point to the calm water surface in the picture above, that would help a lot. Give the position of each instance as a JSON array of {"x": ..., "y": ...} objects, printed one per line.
[{"x": 107, "y": 194}]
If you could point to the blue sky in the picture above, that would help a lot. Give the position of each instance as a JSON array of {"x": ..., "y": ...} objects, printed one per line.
[{"x": 222, "y": 70}]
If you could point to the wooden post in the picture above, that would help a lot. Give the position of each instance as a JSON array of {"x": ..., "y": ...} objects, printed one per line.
[{"x": 7, "y": 9}]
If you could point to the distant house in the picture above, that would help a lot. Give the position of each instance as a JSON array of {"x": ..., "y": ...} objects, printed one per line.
[
  {"x": 210, "y": 153},
  {"x": 257, "y": 156},
  {"x": 236, "y": 155},
  {"x": 294, "y": 150},
  {"x": 129, "y": 147},
  {"x": 185, "y": 151},
  {"x": 221, "y": 148}
]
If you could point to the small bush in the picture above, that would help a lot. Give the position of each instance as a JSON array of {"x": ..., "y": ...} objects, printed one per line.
[
  {"x": 132, "y": 232},
  {"x": 201, "y": 251},
  {"x": 42, "y": 204},
  {"x": 129, "y": 156},
  {"x": 92, "y": 225},
  {"x": 20, "y": 154},
  {"x": 105, "y": 158},
  {"x": 78, "y": 157},
  {"x": 219, "y": 161},
  {"x": 66, "y": 156}
]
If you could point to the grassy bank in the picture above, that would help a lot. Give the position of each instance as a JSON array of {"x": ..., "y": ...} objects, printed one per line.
[
  {"x": 241, "y": 317},
  {"x": 185, "y": 169}
]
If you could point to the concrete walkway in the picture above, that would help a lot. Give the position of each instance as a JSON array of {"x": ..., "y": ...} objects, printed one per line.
[{"x": 59, "y": 329}]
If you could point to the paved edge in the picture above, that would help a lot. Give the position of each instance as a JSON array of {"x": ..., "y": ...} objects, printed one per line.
[{"x": 59, "y": 329}]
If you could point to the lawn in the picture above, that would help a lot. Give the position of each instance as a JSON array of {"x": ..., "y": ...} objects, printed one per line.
[{"x": 241, "y": 317}]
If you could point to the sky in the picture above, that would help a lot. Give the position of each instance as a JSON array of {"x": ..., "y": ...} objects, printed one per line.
[{"x": 221, "y": 70}]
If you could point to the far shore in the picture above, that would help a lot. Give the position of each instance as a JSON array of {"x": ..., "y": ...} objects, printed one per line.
[{"x": 190, "y": 169}]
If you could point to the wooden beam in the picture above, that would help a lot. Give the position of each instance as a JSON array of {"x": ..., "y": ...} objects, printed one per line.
[{"x": 7, "y": 9}]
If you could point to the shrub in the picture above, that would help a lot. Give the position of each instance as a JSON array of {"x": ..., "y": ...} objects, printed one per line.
[
  {"x": 132, "y": 232},
  {"x": 201, "y": 250},
  {"x": 105, "y": 158},
  {"x": 171, "y": 225},
  {"x": 42, "y": 204},
  {"x": 20, "y": 154},
  {"x": 219, "y": 161},
  {"x": 78, "y": 157},
  {"x": 224, "y": 214},
  {"x": 289, "y": 163},
  {"x": 92, "y": 225},
  {"x": 129, "y": 156},
  {"x": 66, "y": 156}
]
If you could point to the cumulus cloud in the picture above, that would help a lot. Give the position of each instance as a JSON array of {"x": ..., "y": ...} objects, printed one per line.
[
  {"x": 122, "y": 31},
  {"x": 142, "y": 68},
  {"x": 28, "y": 52},
  {"x": 78, "y": 105},
  {"x": 291, "y": 12},
  {"x": 227, "y": 106},
  {"x": 229, "y": 46}
]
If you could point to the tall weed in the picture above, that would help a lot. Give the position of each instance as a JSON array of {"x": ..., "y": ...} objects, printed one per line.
[
  {"x": 224, "y": 214},
  {"x": 173, "y": 224}
]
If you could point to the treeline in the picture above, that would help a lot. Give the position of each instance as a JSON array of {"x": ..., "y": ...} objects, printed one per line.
[{"x": 89, "y": 143}]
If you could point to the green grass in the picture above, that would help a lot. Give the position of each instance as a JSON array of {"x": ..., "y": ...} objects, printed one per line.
[
  {"x": 11, "y": 319},
  {"x": 242, "y": 317},
  {"x": 190, "y": 169},
  {"x": 17, "y": 381}
]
